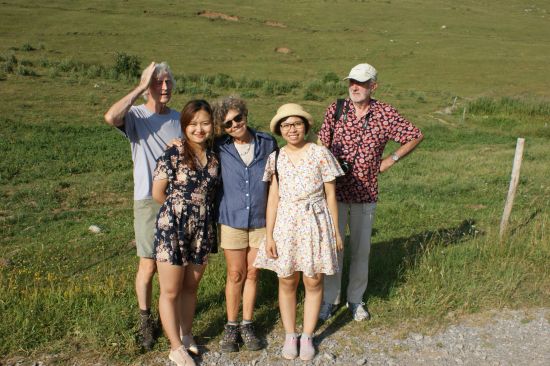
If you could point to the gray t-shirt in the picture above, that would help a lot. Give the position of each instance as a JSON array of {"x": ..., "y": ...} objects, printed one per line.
[{"x": 149, "y": 134}]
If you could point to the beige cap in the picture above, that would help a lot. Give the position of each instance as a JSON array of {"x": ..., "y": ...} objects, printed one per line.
[
  {"x": 287, "y": 110},
  {"x": 362, "y": 73}
]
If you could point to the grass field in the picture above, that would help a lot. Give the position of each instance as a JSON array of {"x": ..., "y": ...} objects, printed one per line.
[{"x": 473, "y": 76}]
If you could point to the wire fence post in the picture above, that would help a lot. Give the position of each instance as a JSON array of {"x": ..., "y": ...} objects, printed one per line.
[{"x": 514, "y": 180}]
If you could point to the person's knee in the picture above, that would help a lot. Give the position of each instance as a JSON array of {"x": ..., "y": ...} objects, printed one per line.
[
  {"x": 288, "y": 284},
  {"x": 314, "y": 284},
  {"x": 235, "y": 276},
  {"x": 252, "y": 274},
  {"x": 147, "y": 268},
  {"x": 170, "y": 293}
]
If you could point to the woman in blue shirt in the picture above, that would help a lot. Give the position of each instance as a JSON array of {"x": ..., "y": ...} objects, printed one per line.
[{"x": 243, "y": 153}]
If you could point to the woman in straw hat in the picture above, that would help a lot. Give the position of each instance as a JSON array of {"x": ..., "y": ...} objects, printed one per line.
[{"x": 301, "y": 212}]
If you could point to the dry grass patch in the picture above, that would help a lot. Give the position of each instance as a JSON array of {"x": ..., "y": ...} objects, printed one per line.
[{"x": 216, "y": 15}]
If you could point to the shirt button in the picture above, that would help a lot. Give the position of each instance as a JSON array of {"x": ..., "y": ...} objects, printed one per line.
[
  {"x": 246, "y": 182},
  {"x": 247, "y": 195},
  {"x": 248, "y": 207}
]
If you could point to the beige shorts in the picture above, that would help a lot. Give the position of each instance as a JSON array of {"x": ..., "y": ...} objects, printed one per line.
[
  {"x": 145, "y": 219},
  {"x": 231, "y": 238}
]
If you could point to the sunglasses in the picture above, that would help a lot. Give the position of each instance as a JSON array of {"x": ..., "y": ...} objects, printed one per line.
[{"x": 237, "y": 119}]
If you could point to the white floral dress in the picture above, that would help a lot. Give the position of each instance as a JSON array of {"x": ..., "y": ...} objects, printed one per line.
[{"x": 304, "y": 230}]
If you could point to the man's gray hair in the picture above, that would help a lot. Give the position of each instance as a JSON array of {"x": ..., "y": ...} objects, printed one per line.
[{"x": 160, "y": 70}]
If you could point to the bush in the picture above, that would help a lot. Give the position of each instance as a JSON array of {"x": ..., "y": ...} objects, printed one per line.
[
  {"x": 9, "y": 64},
  {"x": 27, "y": 47},
  {"x": 127, "y": 65}
]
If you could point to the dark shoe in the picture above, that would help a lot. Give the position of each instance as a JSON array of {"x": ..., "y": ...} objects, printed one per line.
[
  {"x": 230, "y": 340},
  {"x": 146, "y": 331},
  {"x": 326, "y": 311},
  {"x": 251, "y": 341}
]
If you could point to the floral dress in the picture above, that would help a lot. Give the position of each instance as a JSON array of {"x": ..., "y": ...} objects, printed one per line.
[
  {"x": 304, "y": 229},
  {"x": 186, "y": 226}
]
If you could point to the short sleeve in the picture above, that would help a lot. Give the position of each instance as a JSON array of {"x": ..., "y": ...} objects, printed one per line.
[
  {"x": 269, "y": 167},
  {"x": 161, "y": 170},
  {"x": 403, "y": 131},
  {"x": 330, "y": 168}
]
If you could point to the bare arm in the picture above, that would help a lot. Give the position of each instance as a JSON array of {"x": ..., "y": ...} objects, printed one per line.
[
  {"x": 115, "y": 114},
  {"x": 271, "y": 216},
  {"x": 159, "y": 190},
  {"x": 330, "y": 193},
  {"x": 403, "y": 150}
]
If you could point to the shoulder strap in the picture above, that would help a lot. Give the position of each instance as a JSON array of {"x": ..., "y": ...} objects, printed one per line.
[
  {"x": 276, "y": 158},
  {"x": 336, "y": 117}
]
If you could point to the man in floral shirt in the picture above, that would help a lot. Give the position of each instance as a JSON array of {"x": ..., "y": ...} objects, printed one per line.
[{"x": 356, "y": 132}]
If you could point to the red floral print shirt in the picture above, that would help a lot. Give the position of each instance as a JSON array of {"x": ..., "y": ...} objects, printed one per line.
[{"x": 361, "y": 142}]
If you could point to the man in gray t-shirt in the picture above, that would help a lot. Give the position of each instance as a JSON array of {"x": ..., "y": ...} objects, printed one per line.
[{"x": 149, "y": 127}]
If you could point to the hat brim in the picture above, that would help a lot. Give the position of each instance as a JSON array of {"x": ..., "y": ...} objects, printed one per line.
[{"x": 288, "y": 113}]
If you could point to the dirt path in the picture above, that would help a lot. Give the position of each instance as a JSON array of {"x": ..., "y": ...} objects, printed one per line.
[{"x": 510, "y": 337}]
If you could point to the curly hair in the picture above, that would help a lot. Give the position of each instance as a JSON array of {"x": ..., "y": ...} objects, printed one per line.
[{"x": 223, "y": 106}]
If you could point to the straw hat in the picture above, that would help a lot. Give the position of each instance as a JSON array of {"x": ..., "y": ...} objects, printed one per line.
[{"x": 287, "y": 110}]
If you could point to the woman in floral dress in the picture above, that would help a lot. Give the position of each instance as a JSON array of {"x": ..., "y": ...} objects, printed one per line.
[
  {"x": 301, "y": 235},
  {"x": 185, "y": 182}
]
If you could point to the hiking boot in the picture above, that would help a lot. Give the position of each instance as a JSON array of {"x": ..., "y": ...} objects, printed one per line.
[
  {"x": 359, "y": 311},
  {"x": 251, "y": 341},
  {"x": 230, "y": 340},
  {"x": 147, "y": 331},
  {"x": 181, "y": 357},
  {"x": 326, "y": 311}
]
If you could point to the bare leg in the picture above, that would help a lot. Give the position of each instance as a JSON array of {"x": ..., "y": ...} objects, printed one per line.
[
  {"x": 144, "y": 282},
  {"x": 189, "y": 287},
  {"x": 236, "y": 267},
  {"x": 312, "y": 303},
  {"x": 287, "y": 301},
  {"x": 250, "y": 285},
  {"x": 170, "y": 279}
]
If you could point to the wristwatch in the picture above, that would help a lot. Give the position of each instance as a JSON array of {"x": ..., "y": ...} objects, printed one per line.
[{"x": 395, "y": 157}]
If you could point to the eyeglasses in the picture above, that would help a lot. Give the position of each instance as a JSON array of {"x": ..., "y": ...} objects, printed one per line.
[
  {"x": 237, "y": 119},
  {"x": 296, "y": 125}
]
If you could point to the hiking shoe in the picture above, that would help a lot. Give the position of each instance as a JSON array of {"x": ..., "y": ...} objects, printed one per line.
[
  {"x": 248, "y": 335},
  {"x": 146, "y": 331},
  {"x": 290, "y": 347},
  {"x": 307, "y": 351},
  {"x": 181, "y": 357},
  {"x": 326, "y": 311},
  {"x": 189, "y": 344},
  {"x": 359, "y": 311},
  {"x": 230, "y": 340}
]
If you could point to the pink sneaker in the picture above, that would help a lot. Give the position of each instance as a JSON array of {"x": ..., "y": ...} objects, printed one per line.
[
  {"x": 181, "y": 357},
  {"x": 307, "y": 351},
  {"x": 290, "y": 348}
]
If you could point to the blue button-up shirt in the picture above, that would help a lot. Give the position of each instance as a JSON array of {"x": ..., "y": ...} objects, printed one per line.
[{"x": 243, "y": 196}]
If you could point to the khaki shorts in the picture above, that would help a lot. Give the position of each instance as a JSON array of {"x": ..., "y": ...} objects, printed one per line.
[
  {"x": 145, "y": 219},
  {"x": 231, "y": 238}
]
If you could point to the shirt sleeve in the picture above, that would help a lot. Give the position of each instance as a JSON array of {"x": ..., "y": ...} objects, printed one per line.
[
  {"x": 128, "y": 129},
  {"x": 327, "y": 126},
  {"x": 161, "y": 170},
  {"x": 269, "y": 168},
  {"x": 402, "y": 131},
  {"x": 330, "y": 168}
]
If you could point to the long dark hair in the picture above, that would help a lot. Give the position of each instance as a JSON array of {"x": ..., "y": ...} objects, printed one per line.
[{"x": 186, "y": 116}]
